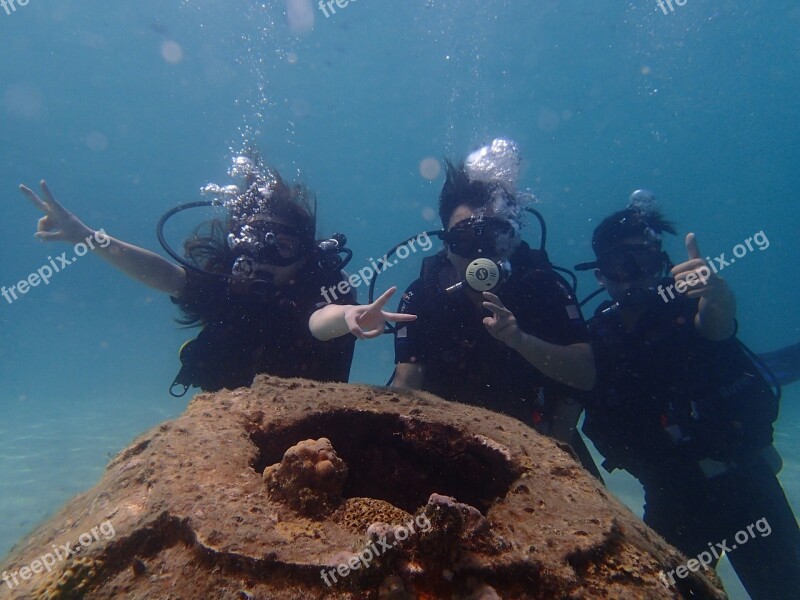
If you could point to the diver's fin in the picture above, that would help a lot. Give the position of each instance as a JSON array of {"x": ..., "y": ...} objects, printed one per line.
[{"x": 784, "y": 363}]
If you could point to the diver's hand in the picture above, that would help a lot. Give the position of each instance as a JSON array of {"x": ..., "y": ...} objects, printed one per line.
[
  {"x": 716, "y": 310},
  {"x": 502, "y": 325},
  {"x": 699, "y": 279},
  {"x": 367, "y": 322},
  {"x": 58, "y": 224}
]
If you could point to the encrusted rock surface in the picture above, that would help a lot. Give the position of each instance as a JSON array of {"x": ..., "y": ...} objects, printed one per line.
[{"x": 449, "y": 501}]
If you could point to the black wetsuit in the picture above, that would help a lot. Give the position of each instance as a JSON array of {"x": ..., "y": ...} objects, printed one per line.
[
  {"x": 692, "y": 420},
  {"x": 463, "y": 362},
  {"x": 244, "y": 334}
]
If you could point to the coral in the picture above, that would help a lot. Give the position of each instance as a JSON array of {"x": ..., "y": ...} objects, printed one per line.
[
  {"x": 357, "y": 514},
  {"x": 72, "y": 583},
  {"x": 309, "y": 478},
  {"x": 456, "y": 526}
]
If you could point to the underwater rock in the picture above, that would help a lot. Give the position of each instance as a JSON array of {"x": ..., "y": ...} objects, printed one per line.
[{"x": 368, "y": 494}]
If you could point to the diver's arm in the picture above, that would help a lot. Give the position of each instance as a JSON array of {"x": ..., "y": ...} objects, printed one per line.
[
  {"x": 408, "y": 376},
  {"x": 149, "y": 268},
  {"x": 364, "y": 322},
  {"x": 144, "y": 266},
  {"x": 716, "y": 313},
  {"x": 329, "y": 322},
  {"x": 571, "y": 365}
]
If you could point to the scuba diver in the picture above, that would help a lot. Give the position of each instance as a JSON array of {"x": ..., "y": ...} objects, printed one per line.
[
  {"x": 683, "y": 406},
  {"x": 496, "y": 326},
  {"x": 521, "y": 348},
  {"x": 251, "y": 281}
]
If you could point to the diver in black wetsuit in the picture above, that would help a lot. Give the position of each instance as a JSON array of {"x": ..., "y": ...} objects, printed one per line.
[
  {"x": 520, "y": 349},
  {"x": 681, "y": 406},
  {"x": 252, "y": 281}
]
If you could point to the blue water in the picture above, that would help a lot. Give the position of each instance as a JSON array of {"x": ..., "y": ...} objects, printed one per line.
[{"x": 128, "y": 108}]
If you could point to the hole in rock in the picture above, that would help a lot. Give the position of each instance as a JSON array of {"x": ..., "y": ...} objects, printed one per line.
[{"x": 400, "y": 460}]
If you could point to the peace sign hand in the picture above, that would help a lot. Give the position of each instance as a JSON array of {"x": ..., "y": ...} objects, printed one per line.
[
  {"x": 502, "y": 325},
  {"x": 367, "y": 322},
  {"x": 58, "y": 224}
]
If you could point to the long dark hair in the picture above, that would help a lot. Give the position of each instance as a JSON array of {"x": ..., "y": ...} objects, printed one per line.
[{"x": 208, "y": 246}]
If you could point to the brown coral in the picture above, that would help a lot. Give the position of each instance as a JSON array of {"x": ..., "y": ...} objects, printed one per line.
[{"x": 309, "y": 478}]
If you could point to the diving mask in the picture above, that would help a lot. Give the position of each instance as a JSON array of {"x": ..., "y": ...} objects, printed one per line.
[
  {"x": 267, "y": 242},
  {"x": 481, "y": 236}
]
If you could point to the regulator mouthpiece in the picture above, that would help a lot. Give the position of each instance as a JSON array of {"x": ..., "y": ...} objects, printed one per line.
[{"x": 483, "y": 275}]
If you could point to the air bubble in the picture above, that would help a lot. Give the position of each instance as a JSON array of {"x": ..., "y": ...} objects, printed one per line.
[
  {"x": 429, "y": 168},
  {"x": 172, "y": 52}
]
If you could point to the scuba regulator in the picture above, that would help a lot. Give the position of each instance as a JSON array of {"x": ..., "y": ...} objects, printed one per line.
[
  {"x": 261, "y": 242},
  {"x": 483, "y": 275}
]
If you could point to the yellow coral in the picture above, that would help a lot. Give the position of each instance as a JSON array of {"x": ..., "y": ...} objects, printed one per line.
[
  {"x": 357, "y": 514},
  {"x": 72, "y": 583}
]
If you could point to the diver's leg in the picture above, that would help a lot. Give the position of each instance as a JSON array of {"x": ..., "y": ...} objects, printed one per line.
[
  {"x": 767, "y": 547},
  {"x": 681, "y": 511},
  {"x": 584, "y": 456}
]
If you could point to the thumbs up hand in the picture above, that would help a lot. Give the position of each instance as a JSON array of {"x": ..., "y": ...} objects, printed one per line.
[
  {"x": 694, "y": 276},
  {"x": 716, "y": 311}
]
